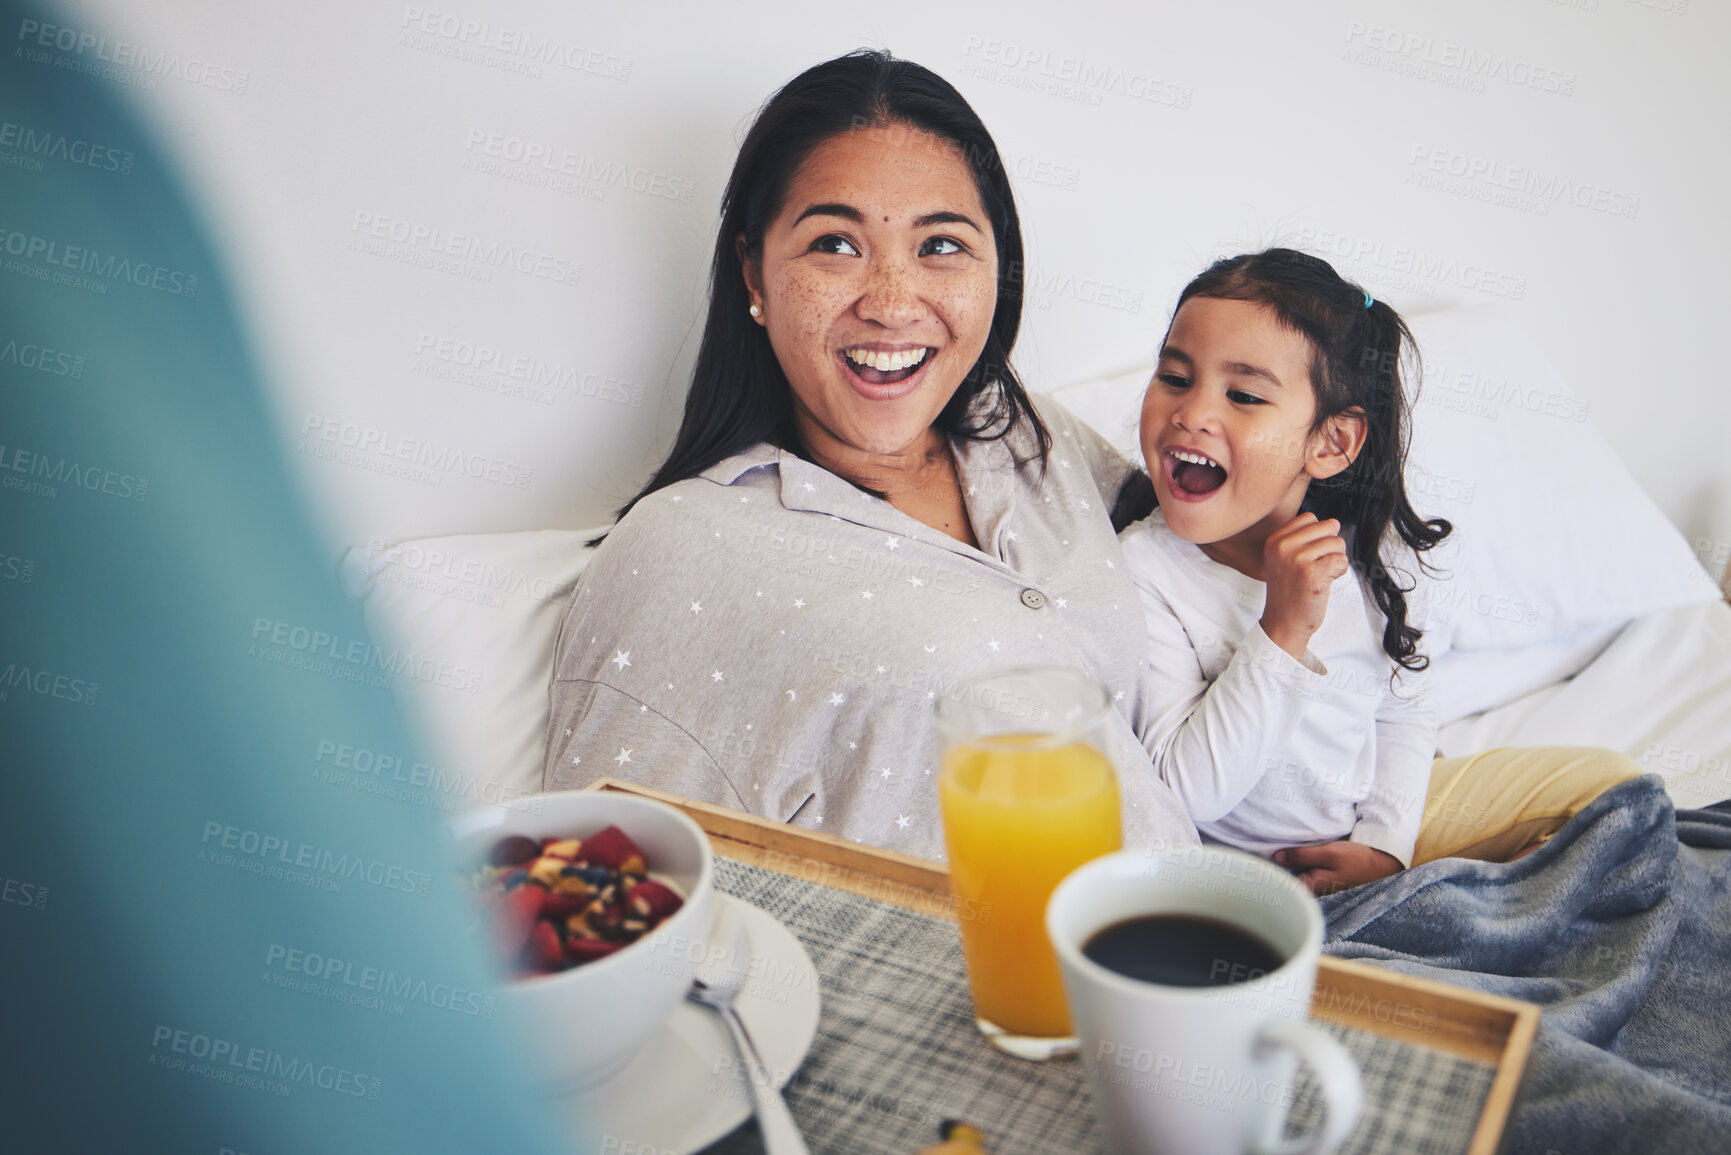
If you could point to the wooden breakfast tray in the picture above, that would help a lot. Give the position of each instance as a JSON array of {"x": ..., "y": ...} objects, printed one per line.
[{"x": 1481, "y": 1027}]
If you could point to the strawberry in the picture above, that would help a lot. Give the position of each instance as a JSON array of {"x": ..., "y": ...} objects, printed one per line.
[
  {"x": 545, "y": 951},
  {"x": 521, "y": 909},
  {"x": 652, "y": 900},
  {"x": 613, "y": 847},
  {"x": 513, "y": 850},
  {"x": 561, "y": 905}
]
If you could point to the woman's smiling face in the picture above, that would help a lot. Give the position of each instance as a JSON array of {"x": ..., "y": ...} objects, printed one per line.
[{"x": 877, "y": 283}]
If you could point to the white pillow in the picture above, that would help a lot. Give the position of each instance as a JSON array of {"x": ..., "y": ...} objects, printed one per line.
[
  {"x": 1659, "y": 694},
  {"x": 479, "y": 613},
  {"x": 1555, "y": 545},
  {"x": 1503, "y": 447}
]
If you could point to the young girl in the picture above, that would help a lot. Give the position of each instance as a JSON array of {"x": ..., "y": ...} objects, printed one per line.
[{"x": 1289, "y": 704}]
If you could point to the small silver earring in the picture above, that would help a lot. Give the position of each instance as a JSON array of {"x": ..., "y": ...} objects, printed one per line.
[{"x": 756, "y": 312}]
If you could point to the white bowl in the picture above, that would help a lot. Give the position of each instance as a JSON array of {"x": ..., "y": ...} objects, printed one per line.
[{"x": 586, "y": 1022}]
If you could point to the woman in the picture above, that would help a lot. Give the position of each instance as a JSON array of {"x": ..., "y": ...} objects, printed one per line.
[{"x": 862, "y": 505}]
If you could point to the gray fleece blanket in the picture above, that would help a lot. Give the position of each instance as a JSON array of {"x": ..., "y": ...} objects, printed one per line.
[{"x": 1620, "y": 928}]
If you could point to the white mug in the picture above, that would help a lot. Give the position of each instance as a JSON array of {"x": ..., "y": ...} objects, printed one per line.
[{"x": 1200, "y": 1070}]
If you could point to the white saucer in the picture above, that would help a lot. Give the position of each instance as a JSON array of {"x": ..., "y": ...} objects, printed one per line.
[{"x": 685, "y": 1087}]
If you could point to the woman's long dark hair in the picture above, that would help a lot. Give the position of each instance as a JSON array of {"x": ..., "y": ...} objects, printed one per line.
[
  {"x": 739, "y": 395},
  {"x": 1357, "y": 348}
]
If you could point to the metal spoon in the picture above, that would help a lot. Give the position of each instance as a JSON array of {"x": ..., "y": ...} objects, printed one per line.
[{"x": 716, "y": 990}]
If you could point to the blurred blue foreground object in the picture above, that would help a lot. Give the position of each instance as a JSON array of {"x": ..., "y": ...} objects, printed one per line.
[{"x": 207, "y": 943}]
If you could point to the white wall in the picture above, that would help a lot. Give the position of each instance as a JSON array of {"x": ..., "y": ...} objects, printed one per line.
[{"x": 1147, "y": 138}]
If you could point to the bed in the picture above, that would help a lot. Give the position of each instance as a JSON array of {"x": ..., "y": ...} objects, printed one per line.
[{"x": 1566, "y": 610}]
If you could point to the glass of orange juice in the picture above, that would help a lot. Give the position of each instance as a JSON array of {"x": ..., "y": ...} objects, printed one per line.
[{"x": 1028, "y": 794}]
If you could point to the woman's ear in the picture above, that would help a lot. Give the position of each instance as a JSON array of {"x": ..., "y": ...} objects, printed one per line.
[
  {"x": 753, "y": 267},
  {"x": 1336, "y": 445}
]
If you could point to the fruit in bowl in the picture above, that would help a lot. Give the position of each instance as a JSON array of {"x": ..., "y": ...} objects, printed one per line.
[
  {"x": 584, "y": 1019},
  {"x": 562, "y": 902}
]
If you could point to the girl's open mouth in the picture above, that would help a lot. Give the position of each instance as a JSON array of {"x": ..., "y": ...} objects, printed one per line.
[
  {"x": 879, "y": 370},
  {"x": 1193, "y": 475}
]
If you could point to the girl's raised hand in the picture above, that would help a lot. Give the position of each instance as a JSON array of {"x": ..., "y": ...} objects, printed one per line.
[{"x": 1299, "y": 562}]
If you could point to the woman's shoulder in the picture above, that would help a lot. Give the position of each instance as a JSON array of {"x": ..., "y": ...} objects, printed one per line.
[
  {"x": 1067, "y": 428},
  {"x": 1109, "y": 466},
  {"x": 672, "y": 526},
  {"x": 673, "y": 509}
]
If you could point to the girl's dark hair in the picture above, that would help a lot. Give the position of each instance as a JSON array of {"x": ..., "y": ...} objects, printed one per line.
[
  {"x": 739, "y": 395},
  {"x": 1357, "y": 348}
]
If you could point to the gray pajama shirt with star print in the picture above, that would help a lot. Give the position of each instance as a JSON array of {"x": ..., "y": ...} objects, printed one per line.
[{"x": 769, "y": 638}]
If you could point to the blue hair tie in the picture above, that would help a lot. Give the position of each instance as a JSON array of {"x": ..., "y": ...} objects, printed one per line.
[{"x": 1369, "y": 300}]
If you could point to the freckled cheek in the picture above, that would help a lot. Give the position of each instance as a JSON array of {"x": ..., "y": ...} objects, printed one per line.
[
  {"x": 967, "y": 311},
  {"x": 802, "y": 312}
]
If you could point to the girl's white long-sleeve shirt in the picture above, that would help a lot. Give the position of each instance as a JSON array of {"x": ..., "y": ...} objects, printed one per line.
[{"x": 1266, "y": 751}]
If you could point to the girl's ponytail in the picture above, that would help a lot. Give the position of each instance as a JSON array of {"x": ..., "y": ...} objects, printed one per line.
[{"x": 1370, "y": 494}]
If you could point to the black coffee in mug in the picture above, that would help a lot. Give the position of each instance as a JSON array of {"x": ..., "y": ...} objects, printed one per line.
[{"x": 1182, "y": 950}]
